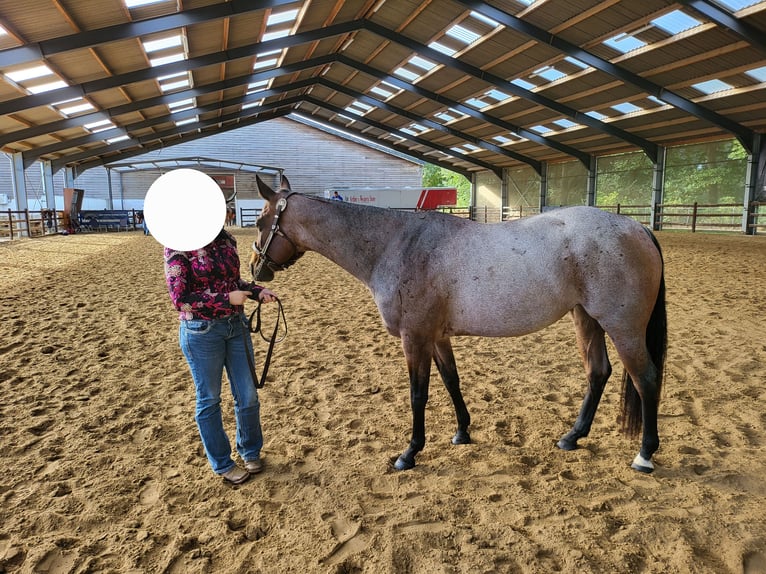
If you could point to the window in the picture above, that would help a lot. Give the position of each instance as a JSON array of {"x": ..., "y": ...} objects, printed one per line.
[
  {"x": 712, "y": 86},
  {"x": 624, "y": 43}
]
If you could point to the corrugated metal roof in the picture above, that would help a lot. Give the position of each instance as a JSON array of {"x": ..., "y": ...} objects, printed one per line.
[{"x": 469, "y": 85}]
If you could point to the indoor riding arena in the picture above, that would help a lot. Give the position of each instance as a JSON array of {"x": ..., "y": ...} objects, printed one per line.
[{"x": 656, "y": 111}]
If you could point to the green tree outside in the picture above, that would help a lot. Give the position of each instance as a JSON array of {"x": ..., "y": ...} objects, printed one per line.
[{"x": 435, "y": 176}]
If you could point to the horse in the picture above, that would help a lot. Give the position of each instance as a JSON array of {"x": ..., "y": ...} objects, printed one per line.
[
  {"x": 231, "y": 216},
  {"x": 433, "y": 275}
]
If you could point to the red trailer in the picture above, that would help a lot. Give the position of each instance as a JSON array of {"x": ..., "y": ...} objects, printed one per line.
[{"x": 398, "y": 198}]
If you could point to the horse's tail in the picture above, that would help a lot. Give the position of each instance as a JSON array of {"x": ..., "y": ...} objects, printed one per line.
[{"x": 656, "y": 343}]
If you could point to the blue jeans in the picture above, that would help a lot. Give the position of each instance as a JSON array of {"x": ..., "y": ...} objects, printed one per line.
[{"x": 209, "y": 347}]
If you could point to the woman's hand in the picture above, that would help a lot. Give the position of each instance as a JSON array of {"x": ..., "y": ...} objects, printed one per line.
[
  {"x": 239, "y": 297},
  {"x": 267, "y": 296}
]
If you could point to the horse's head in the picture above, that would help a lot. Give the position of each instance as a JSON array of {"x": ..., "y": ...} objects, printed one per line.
[{"x": 272, "y": 250}]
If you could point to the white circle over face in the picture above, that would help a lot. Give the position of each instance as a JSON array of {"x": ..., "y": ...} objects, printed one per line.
[{"x": 184, "y": 209}]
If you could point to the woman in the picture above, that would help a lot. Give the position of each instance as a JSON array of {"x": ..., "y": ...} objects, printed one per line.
[{"x": 206, "y": 288}]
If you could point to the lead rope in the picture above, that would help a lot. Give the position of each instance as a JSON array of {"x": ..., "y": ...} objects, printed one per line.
[{"x": 259, "y": 383}]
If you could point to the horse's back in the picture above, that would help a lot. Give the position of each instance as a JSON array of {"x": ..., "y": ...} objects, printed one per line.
[{"x": 520, "y": 276}]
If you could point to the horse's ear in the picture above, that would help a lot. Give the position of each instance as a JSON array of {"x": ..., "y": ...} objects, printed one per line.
[
  {"x": 263, "y": 189},
  {"x": 285, "y": 184}
]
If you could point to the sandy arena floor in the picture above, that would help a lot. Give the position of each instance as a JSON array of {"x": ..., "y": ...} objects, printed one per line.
[{"x": 102, "y": 469}]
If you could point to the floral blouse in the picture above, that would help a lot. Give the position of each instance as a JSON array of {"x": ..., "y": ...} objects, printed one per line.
[{"x": 199, "y": 281}]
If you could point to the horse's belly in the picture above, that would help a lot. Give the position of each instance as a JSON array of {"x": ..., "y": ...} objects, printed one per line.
[{"x": 484, "y": 319}]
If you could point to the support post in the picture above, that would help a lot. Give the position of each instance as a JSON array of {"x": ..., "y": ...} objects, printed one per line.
[
  {"x": 755, "y": 183},
  {"x": 658, "y": 187},
  {"x": 46, "y": 170},
  {"x": 17, "y": 180},
  {"x": 591, "y": 185},
  {"x": 543, "y": 185}
]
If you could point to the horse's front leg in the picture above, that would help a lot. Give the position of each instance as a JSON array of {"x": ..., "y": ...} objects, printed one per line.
[
  {"x": 445, "y": 363},
  {"x": 418, "y": 355}
]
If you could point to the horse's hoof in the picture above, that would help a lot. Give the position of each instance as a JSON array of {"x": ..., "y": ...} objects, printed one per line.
[
  {"x": 642, "y": 465},
  {"x": 461, "y": 437},
  {"x": 567, "y": 444},
  {"x": 404, "y": 463}
]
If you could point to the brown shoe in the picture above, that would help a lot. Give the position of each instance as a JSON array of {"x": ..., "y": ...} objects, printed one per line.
[
  {"x": 236, "y": 475},
  {"x": 254, "y": 466}
]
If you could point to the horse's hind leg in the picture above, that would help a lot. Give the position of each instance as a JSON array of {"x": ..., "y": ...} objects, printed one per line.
[
  {"x": 592, "y": 345},
  {"x": 445, "y": 363}
]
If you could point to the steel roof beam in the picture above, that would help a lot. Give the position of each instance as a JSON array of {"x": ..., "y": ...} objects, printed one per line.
[
  {"x": 468, "y": 110},
  {"x": 744, "y": 134},
  {"x": 40, "y": 50},
  {"x": 727, "y": 20},
  {"x": 107, "y": 113},
  {"x": 650, "y": 148},
  {"x": 152, "y": 73},
  {"x": 429, "y": 123}
]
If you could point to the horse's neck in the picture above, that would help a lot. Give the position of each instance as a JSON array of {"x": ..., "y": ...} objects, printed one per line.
[{"x": 351, "y": 238}]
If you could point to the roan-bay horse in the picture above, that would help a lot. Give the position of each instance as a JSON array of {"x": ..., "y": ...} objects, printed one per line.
[{"x": 434, "y": 275}]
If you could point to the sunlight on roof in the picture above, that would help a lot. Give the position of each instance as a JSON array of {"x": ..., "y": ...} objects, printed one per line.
[
  {"x": 712, "y": 86},
  {"x": 737, "y": 5},
  {"x": 163, "y": 43},
  {"x": 626, "y": 108},
  {"x": 29, "y": 73},
  {"x": 549, "y": 73},
  {"x": 181, "y": 105},
  {"x": 267, "y": 63},
  {"x": 406, "y": 74},
  {"x": 186, "y": 121},
  {"x": 450, "y": 115},
  {"x": 419, "y": 62},
  {"x": 676, "y": 22},
  {"x": 541, "y": 129},
  {"x": 174, "y": 82},
  {"x": 99, "y": 126},
  {"x": 463, "y": 34},
  {"x": 83, "y": 106},
  {"x": 257, "y": 86},
  {"x": 415, "y": 129},
  {"x": 166, "y": 59},
  {"x": 523, "y": 84},
  {"x": 281, "y": 17},
  {"x": 47, "y": 87},
  {"x": 358, "y": 108},
  {"x": 118, "y": 139},
  {"x": 138, "y": 3},
  {"x": 624, "y": 43},
  {"x": 252, "y": 104},
  {"x": 275, "y": 34},
  {"x": 384, "y": 90},
  {"x": 758, "y": 73},
  {"x": 565, "y": 123},
  {"x": 596, "y": 115},
  {"x": 442, "y": 48},
  {"x": 576, "y": 62}
]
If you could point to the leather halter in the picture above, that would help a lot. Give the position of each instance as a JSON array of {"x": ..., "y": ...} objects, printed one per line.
[{"x": 263, "y": 257}]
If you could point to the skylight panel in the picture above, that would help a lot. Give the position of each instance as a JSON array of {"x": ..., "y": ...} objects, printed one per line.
[
  {"x": 358, "y": 108},
  {"x": 450, "y": 115},
  {"x": 736, "y": 5},
  {"x": 406, "y": 74},
  {"x": 281, "y": 17},
  {"x": 523, "y": 84},
  {"x": 252, "y": 104},
  {"x": 549, "y": 73},
  {"x": 382, "y": 90},
  {"x": 498, "y": 95},
  {"x": 624, "y": 43},
  {"x": 596, "y": 115},
  {"x": 268, "y": 63},
  {"x": 257, "y": 86},
  {"x": 758, "y": 73},
  {"x": 186, "y": 121},
  {"x": 712, "y": 86},
  {"x": 415, "y": 129},
  {"x": 676, "y": 22},
  {"x": 29, "y": 73},
  {"x": 509, "y": 138},
  {"x": 565, "y": 123},
  {"x": 138, "y": 3},
  {"x": 47, "y": 87},
  {"x": 419, "y": 62},
  {"x": 82, "y": 106},
  {"x": 275, "y": 34},
  {"x": 541, "y": 129},
  {"x": 99, "y": 126},
  {"x": 576, "y": 62},
  {"x": 485, "y": 20},
  {"x": 477, "y": 103},
  {"x": 626, "y": 108},
  {"x": 162, "y": 60},
  {"x": 465, "y": 35},
  {"x": 163, "y": 43},
  {"x": 118, "y": 139},
  {"x": 181, "y": 105},
  {"x": 442, "y": 48}
]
